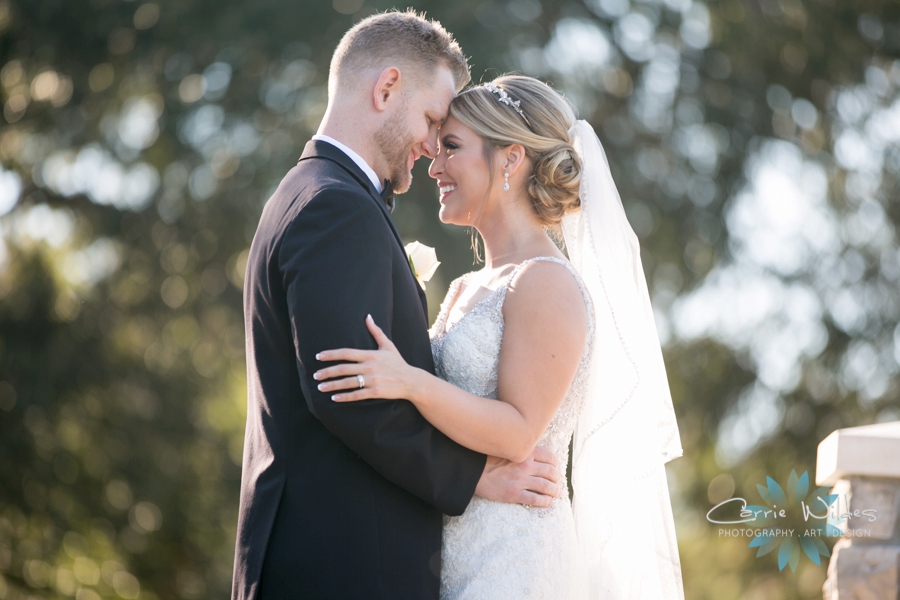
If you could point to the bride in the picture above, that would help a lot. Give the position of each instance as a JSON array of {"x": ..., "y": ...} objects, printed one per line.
[{"x": 534, "y": 349}]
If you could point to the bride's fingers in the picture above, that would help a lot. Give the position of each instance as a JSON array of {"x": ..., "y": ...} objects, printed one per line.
[
  {"x": 380, "y": 338},
  {"x": 350, "y": 383},
  {"x": 354, "y": 396},
  {"x": 340, "y": 371},
  {"x": 343, "y": 354}
]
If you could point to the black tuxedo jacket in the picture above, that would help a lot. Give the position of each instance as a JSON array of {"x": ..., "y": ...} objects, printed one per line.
[{"x": 337, "y": 500}]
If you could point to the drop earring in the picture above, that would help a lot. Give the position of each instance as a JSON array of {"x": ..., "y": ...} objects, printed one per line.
[{"x": 506, "y": 182}]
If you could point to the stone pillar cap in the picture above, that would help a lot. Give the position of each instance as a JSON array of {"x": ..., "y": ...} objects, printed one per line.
[{"x": 870, "y": 450}]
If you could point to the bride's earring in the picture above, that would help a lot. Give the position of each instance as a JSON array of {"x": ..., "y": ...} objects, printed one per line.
[{"x": 506, "y": 182}]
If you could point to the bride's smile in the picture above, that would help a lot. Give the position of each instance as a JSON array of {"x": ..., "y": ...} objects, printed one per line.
[
  {"x": 446, "y": 189},
  {"x": 463, "y": 175}
]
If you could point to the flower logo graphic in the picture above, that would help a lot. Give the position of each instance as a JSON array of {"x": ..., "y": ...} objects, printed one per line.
[{"x": 794, "y": 522}]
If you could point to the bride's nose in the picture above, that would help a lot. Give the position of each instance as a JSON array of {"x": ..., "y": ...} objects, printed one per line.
[{"x": 436, "y": 167}]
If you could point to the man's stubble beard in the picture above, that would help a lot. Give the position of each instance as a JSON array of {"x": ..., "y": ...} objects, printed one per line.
[{"x": 395, "y": 143}]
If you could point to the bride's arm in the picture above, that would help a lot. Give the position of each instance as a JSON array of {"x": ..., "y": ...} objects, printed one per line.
[{"x": 543, "y": 339}]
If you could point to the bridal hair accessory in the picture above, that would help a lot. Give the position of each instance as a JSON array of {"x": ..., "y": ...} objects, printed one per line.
[
  {"x": 506, "y": 99},
  {"x": 362, "y": 382},
  {"x": 628, "y": 410},
  {"x": 506, "y": 182}
]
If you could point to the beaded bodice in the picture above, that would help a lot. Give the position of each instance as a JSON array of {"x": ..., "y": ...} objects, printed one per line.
[{"x": 467, "y": 354}]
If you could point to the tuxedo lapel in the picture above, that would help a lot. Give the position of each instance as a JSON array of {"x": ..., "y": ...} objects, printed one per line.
[{"x": 320, "y": 149}]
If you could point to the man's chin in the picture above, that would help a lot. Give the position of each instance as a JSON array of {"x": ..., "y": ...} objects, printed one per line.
[{"x": 402, "y": 182}]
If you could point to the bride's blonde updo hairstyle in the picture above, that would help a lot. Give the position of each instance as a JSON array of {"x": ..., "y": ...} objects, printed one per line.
[{"x": 541, "y": 128}]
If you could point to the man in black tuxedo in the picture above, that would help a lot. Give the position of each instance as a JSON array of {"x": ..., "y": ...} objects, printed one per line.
[{"x": 345, "y": 500}]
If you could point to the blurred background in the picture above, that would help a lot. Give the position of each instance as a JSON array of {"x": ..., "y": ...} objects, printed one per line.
[{"x": 755, "y": 143}]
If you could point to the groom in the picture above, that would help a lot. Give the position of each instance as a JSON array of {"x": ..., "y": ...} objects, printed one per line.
[{"x": 339, "y": 500}]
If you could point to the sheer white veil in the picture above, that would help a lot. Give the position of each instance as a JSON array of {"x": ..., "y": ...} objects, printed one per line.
[{"x": 627, "y": 430}]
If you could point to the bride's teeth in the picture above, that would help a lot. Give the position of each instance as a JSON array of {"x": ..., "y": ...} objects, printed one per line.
[{"x": 447, "y": 189}]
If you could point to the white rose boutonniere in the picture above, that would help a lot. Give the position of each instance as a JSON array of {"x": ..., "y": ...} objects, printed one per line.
[{"x": 422, "y": 260}]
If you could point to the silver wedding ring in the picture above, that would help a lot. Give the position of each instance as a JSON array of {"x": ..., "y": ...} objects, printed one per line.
[{"x": 362, "y": 382}]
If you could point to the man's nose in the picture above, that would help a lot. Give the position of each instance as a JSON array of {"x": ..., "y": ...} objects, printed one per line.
[{"x": 429, "y": 146}]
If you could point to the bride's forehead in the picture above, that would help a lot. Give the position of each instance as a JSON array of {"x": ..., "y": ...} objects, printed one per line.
[{"x": 455, "y": 127}]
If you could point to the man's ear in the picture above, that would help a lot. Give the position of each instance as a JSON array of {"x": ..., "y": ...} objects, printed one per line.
[{"x": 388, "y": 85}]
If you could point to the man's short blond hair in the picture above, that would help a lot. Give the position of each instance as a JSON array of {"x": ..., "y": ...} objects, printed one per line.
[{"x": 402, "y": 39}]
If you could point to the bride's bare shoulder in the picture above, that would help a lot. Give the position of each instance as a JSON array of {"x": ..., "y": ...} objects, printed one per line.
[{"x": 546, "y": 294}]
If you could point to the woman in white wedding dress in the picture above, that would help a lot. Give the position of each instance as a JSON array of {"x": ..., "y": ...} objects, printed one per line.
[{"x": 523, "y": 350}]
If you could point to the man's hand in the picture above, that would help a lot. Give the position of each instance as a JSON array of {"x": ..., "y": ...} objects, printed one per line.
[{"x": 534, "y": 482}]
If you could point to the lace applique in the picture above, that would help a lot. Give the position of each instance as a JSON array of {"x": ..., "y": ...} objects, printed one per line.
[{"x": 497, "y": 550}]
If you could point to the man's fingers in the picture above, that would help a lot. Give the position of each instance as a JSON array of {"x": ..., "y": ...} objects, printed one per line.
[
  {"x": 542, "y": 486},
  {"x": 536, "y": 500},
  {"x": 545, "y": 470},
  {"x": 544, "y": 455}
]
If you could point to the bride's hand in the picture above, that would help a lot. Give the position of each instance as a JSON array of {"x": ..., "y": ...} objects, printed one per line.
[{"x": 384, "y": 372}]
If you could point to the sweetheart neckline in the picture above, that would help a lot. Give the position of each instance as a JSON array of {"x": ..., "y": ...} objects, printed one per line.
[{"x": 445, "y": 330}]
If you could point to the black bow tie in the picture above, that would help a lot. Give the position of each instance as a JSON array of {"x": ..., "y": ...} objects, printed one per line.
[{"x": 387, "y": 194}]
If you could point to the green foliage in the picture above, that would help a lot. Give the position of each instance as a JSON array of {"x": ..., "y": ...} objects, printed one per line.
[{"x": 146, "y": 137}]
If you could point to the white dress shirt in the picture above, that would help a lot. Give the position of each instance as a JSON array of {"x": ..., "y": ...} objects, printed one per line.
[{"x": 362, "y": 164}]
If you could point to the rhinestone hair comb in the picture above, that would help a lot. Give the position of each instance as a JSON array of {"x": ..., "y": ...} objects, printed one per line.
[{"x": 506, "y": 99}]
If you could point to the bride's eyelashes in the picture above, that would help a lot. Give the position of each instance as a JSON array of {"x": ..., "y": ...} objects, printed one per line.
[{"x": 447, "y": 144}]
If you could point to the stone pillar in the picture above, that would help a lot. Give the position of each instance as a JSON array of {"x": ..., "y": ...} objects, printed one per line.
[{"x": 863, "y": 466}]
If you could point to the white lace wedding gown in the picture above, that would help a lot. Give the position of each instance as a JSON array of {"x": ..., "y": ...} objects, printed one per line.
[{"x": 494, "y": 550}]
